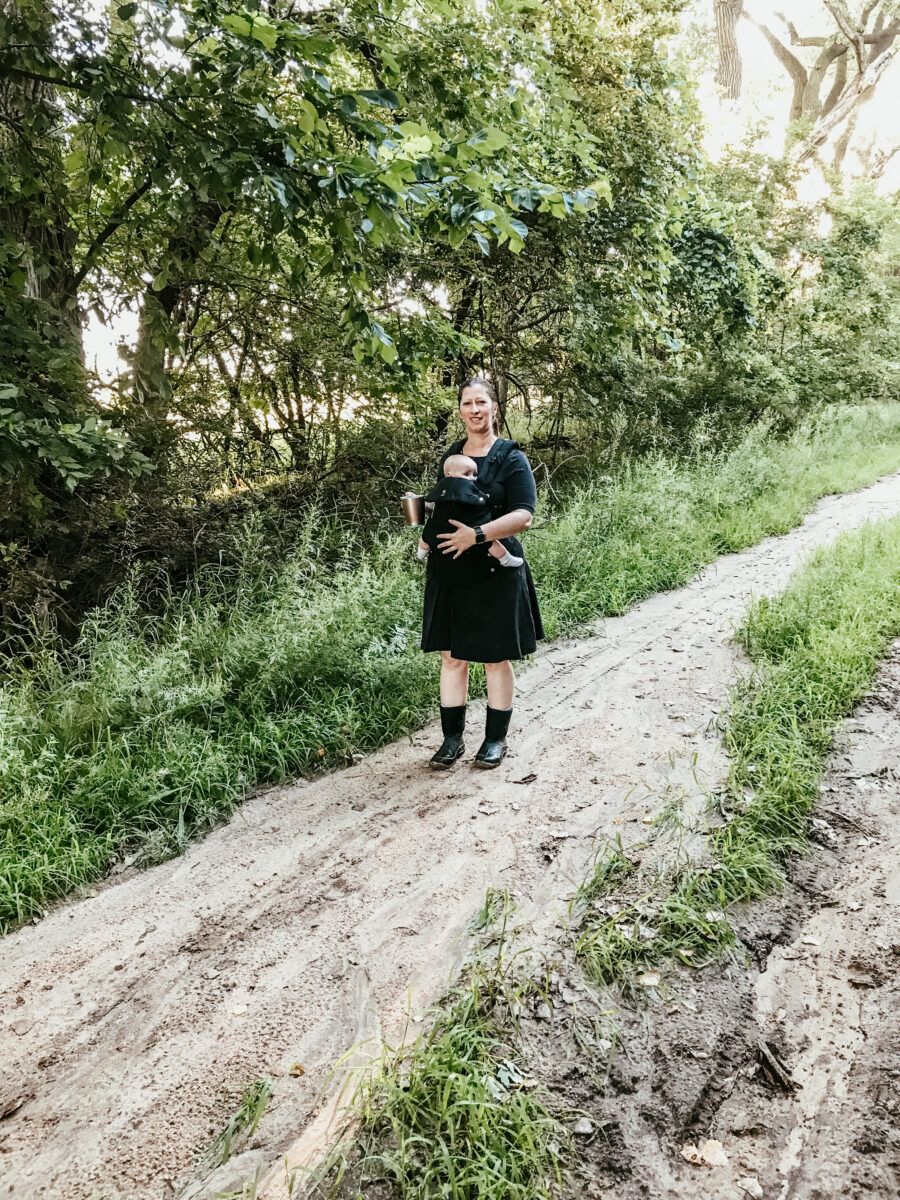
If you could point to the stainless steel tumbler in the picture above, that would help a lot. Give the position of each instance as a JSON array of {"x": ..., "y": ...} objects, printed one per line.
[{"x": 413, "y": 509}]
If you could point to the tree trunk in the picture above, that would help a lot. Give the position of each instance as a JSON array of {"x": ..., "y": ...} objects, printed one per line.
[
  {"x": 728, "y": 72},
  {"x": 157, "y": 330},
  {"x": 36, "y": 216}
]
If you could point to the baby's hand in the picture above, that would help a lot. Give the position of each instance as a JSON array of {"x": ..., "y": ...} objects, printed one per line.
[{"x": 497, "y": 550}]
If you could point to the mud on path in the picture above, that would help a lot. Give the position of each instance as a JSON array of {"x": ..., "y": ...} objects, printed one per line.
[
  {"x": 788, "y": 1056},
  {"x": 132, "y": 1020}
]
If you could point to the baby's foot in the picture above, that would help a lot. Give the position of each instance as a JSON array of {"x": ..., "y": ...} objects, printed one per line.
[{"x": 499, "y": 551}]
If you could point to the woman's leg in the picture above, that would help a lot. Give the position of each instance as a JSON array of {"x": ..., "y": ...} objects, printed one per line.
[
  {"x": 454, "y": 686},
  {"x": 501, "y": 684},
  {"x": 454, "y": 680},
  {"x": 500, "y": 687}
]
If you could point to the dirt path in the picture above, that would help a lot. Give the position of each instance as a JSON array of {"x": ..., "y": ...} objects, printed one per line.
[
  {"x": 829, "y": 998},
  {"x": 132, "y": 1020},
  {"x": 791, "y": 1062}
]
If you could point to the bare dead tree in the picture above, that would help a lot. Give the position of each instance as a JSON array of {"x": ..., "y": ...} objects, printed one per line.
[{"x": 828, "y": 92}]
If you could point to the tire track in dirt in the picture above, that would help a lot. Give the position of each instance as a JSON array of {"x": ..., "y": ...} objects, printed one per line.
[{"x": 132, "y": 1020}]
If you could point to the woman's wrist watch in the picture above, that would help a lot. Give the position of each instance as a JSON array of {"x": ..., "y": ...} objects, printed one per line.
[{"x": 479, "y": 535}]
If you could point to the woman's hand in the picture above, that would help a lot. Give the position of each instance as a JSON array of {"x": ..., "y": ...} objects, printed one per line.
[{"x": 456, "y": 543}]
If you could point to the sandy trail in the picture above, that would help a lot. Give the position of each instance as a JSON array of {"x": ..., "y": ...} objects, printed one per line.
[
  {"x": 829, "y": 998},
  {"x": 133, "y": 1020}
]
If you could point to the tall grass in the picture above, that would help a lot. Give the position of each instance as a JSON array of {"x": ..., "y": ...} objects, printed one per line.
[
  {"x": 155, "y": 726},
  {"x": 815, "y": 650},
  {"x": 655, "y": 522}
]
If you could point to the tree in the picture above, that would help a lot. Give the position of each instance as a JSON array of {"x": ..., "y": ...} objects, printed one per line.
[
  {"x": 144, "y": 151},
  {"x": 51, "y": 433},
  {"x": 728, "y": 73},
  {"x": 845, "y": 71}
]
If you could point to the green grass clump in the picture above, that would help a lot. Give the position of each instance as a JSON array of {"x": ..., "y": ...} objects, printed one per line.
[
  {"x": 241, "y": 1125},
  {"x": 657, "y": 521},
  {"x": 815, "y": 650},
  {"x": 451, "y": 1116},
  {"x": 155, "y": 726}
]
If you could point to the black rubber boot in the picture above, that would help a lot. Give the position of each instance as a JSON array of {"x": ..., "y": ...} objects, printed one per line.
[
  {"x": 453, "y": 722},
  {"x": 493, "y": 748}
]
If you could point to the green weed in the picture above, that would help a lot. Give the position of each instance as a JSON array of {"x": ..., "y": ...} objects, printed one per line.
[
  {"x": 240, "y": 1125},
  {"x": 452, "y": 1115}
]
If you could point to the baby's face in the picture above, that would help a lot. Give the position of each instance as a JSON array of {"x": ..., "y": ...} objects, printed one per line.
[{"x": 459, "y": 466}]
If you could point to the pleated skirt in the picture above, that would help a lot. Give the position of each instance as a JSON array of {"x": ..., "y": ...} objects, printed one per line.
[{"x": 485, "y": 618}]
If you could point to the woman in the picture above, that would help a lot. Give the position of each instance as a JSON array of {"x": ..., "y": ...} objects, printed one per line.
[{"x": 476, "y": 610}]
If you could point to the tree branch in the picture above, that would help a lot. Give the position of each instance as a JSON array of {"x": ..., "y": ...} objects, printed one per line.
[
  {"x": 796, "y": 39},
  {"x": 845, "y": 25},
  {"x": 858, "y": 92},
  {"x": 109, "y": 229},
  {"x": 837, "y": 87},
  {"x": 790, "y": 62}
]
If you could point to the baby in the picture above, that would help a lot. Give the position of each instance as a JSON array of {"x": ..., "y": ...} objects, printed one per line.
[{"x": 459, "y": 498}]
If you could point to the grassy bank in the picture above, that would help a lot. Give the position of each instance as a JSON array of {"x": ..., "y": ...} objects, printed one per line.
[
  {"x": 452, "y": 1113},
  {"x": 155, "y": 726},
  {"x": 815, "y": 650}
]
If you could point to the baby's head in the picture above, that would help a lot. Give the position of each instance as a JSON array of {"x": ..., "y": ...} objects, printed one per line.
[{"x": 460, "y": 466}]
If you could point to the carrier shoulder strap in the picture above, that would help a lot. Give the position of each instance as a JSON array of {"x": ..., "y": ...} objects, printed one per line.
[{"x": 494, "y": 460}]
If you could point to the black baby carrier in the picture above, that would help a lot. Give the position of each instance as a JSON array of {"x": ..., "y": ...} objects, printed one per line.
[
  {"x": 473, "y": 502},
  {"x": 493, "y": 461}
]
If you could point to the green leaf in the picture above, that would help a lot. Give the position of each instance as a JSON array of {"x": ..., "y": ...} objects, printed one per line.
[
  {"x": 264, "y": 32},
  {"x": 237, "y": 24},
  {"x": 126, "y": 11},
  {"x": 307, "y": 116},
  {"x": 482, "y": 242},
  {"x": 383, "y": 97},
  {"x": 263, "y": 112},
  {"x": 487, "y": 141}
]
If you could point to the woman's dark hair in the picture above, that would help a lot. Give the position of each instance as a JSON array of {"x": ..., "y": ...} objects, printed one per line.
[
  {"x": 477, "y": 381},
  {"x": 486, "y": 386}
]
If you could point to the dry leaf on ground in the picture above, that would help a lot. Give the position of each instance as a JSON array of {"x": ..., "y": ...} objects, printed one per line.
[{"x": 709, "y": 1153}]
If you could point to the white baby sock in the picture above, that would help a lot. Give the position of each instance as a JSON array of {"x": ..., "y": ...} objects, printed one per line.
[{"x": 510, "y": 560}]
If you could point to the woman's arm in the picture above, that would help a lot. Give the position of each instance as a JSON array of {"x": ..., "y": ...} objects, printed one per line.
[{"x": 464, "y": 536}]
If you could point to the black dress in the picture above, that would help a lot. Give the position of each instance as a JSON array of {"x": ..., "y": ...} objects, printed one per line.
[{"x": 474, "y": 608}]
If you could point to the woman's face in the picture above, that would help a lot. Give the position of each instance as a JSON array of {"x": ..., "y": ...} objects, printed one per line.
[{"x": 477, "y": 410}]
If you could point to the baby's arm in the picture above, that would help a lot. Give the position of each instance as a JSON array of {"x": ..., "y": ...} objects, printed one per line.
[{"x": 423, "y": 550}]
